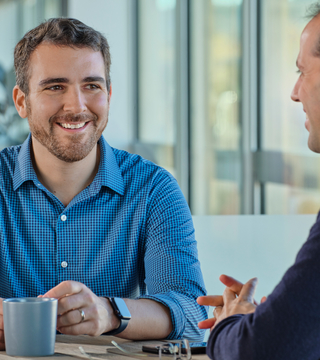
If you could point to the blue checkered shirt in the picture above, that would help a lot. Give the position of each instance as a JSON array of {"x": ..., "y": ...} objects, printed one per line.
[{"x": 128, "y": 234}]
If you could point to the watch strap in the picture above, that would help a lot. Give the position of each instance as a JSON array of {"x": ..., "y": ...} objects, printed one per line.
[{"x": 123, "y": 322}]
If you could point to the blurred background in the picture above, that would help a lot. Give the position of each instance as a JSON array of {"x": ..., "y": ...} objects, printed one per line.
[{"x": 200, "y": 87}]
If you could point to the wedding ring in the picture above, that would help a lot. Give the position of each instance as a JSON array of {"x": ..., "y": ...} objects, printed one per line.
[{"x": 83, "y": 315}]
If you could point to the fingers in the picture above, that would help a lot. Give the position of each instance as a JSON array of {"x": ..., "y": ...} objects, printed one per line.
[
  {"x": 72, "y": 317},
  {"x": 77, "y": 329},
  {"x": 263, "y": 299},
  {"x": 207, "y": 324},
  {"x": 2, "y": 344},
  {"x": 248, "y": 290},
  {"x": 231, "y": 283},
  {"x": 228, "y": 296},
  {"x": 63, "y": 289},
  {"x": 71, "y": 302},
  {"x": 211, "y": 300}
]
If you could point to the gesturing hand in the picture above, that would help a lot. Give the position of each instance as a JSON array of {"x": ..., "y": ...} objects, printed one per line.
[
  {"x": 2, "y": 345},
  {"x": 74, "y": 300},
  {"x": 243, "y": 304},
  {"x": 218, "y": 301}
]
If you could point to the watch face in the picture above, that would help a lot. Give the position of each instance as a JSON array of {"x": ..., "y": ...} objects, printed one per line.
[{"x": 123, "y": 309}]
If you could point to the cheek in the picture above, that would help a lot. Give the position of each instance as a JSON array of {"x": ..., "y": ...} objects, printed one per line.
[
  {"x": 46, "y": 107},
  {"x": 99, "y": 104}
]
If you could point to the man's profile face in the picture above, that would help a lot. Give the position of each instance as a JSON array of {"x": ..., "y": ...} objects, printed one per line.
[
  {"x": 68, "y": 102},
  {"x": 307, "y": 87}
]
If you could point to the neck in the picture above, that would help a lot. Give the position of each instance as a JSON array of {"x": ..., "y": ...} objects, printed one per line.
[{"x": 63, "y": 179}]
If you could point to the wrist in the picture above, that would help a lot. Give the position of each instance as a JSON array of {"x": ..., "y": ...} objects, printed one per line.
[
  {"x": 113, "y": 322},
  {"x": 121, "y": 312}
]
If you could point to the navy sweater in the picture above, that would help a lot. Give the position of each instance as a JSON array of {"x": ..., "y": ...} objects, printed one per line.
[{"x": 287, "y": 325}]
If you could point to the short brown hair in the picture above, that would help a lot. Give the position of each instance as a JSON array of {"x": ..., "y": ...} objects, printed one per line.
[{"x": 60, "y": 32}]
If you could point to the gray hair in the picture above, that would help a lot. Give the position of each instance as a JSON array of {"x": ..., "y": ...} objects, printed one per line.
[{"x": 313, "y": 10}]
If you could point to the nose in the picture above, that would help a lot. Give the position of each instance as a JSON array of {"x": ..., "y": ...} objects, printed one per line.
[
  {"x": 295, "y": 91},
  {"x": 74, "y": 101}
]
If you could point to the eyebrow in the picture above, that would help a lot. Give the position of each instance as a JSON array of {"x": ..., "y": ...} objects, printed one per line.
[
  {"x": 94, "y": 79},
  {"x": 50, "y": 81}
]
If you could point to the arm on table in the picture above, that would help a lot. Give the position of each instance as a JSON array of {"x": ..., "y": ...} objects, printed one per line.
[
  {"x": 172, "y": 268},
  {"x": 100, "y": 318}
]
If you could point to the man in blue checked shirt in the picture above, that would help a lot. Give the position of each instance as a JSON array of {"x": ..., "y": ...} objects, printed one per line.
[{"x": 81, "y": 221}]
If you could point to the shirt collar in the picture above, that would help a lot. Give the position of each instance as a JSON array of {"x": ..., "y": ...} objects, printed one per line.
[
  {"x": 24, "y": 170},
  {"x": 108, "y": 174}
]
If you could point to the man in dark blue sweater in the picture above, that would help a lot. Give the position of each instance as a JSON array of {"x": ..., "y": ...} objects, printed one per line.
[{"x": 286, "y": 325}]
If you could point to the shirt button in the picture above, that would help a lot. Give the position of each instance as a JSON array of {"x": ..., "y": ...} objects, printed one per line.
[
  {"x": 64, "y": 264},
  {"x": 63, "y": 217}
]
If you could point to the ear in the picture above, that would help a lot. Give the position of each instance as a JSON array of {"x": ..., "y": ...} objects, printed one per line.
[{"x": 19, "y": 98}]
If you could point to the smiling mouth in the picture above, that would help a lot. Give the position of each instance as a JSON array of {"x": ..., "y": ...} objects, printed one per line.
[{"x": 73, "y": 126}]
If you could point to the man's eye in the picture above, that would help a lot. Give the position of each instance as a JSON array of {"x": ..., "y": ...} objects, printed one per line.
[
  {"x": 92, "y": 86},
  {"x": 299, "y": 72},
  {"x": 54, "y": 87}
]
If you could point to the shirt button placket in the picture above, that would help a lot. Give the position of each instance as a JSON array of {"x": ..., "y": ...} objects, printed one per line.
[{"x": 64, "y": 264}]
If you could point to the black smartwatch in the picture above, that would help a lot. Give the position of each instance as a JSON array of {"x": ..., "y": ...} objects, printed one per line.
[{"x": 122, "y": 313}]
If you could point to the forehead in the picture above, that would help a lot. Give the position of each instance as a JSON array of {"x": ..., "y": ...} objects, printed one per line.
[
  {"x": 310, "y": 37},
  {"x": 49, "y": 60}
]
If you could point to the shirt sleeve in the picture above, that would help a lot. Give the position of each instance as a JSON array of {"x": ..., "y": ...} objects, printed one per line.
[
  {"x": 173, "y": 274},
  {"x": 287, "y": 325}
]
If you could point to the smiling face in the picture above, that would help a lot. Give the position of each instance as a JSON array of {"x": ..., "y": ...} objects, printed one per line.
[
  {"x": 68, "y": 102},
  {"x": 307, "y": 87}
]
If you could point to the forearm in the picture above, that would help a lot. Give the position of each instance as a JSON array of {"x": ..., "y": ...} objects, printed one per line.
[{"x": 149, "y": 320}]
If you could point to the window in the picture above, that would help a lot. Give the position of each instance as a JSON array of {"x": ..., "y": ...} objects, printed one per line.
[{"x": 16, "y": 18}]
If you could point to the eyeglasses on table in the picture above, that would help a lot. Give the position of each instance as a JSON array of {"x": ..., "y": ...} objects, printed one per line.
[{"x": 172, "y": 349}]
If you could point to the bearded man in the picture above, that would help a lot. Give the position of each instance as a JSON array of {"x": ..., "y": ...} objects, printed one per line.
[{"x": 106, "y": 232}]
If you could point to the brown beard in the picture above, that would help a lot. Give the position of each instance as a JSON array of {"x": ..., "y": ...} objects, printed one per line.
[{"x": 76, "y": 149}]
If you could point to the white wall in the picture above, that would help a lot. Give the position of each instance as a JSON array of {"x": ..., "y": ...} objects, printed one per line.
[
  {"x": 248, "y": 246},
  {"x": 114, "y": 19}
]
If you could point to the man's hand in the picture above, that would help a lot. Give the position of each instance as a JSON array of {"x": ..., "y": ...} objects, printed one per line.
[
  {"x": 74, "y": 297},
  {"x": 243, "y": 304},
  {"x": 217, "y": 300},
  {"x": 2, "y": 345}
]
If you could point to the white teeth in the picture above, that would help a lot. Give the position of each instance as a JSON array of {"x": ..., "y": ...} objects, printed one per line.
[{"x": 71, "y": 126}]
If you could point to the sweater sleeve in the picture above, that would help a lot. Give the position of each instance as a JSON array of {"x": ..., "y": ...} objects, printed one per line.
[{"x": 287, "y": 325}]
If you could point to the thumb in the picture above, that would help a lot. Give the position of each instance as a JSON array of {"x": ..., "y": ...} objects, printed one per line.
[{"x": 248, "y": 290}]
